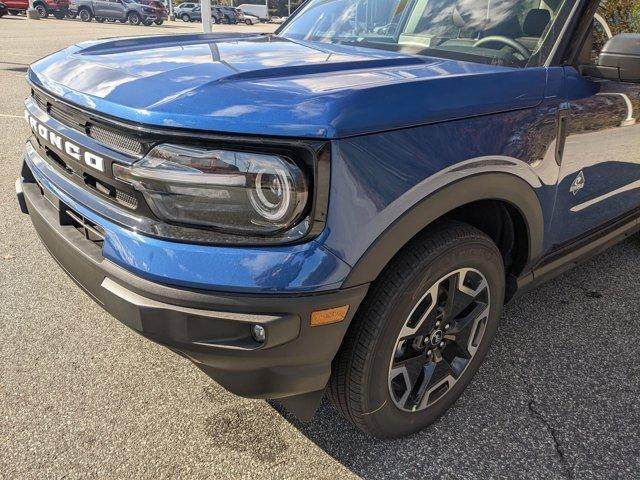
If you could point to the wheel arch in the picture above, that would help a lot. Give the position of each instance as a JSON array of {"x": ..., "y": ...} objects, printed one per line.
[{"x": 511, "y": 194}]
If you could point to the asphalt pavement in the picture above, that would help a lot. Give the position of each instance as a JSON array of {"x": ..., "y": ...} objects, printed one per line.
[{"x": 82, "y": 396}]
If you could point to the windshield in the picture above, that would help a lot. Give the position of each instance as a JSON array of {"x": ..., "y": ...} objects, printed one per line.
[{"x": 505, "y": 32}]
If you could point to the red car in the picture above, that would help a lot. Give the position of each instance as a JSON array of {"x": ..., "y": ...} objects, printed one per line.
[
  {"x": 57, "y": 8},
  {"x": 161, "y": 10}
]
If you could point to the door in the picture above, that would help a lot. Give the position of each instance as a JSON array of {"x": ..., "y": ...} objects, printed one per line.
[
  {"x": 101, "y": 8},
  {"x": 600, "y": 164},
  {"x": 116, "y": 9}
]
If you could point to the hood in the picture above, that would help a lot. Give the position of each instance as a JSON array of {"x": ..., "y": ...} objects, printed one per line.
[{"x": 266, "y": 85}]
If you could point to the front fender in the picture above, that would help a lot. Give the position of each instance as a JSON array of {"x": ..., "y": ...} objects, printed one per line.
[{"x": 455, "y": 188}]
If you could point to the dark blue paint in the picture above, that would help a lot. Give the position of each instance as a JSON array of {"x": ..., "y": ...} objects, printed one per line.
[{"x": 400, "y": 127}]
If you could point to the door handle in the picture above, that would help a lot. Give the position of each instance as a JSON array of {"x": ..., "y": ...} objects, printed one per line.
[{"x": 561, "y": 137}]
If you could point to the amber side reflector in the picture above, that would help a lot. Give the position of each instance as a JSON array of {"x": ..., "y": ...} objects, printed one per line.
[{"x": 326, "y": 317}]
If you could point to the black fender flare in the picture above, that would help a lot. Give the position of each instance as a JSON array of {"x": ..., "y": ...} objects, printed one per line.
[{"x": 501, "y": 186}]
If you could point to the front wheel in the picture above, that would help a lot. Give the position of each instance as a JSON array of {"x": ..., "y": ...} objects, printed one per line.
[
  {"x": 72, "y": 15},
  {"x": 159, "y": 21},
  {"x": 42, "y": 10},
  {"x": 185, "y": 18},
  {"x": 134, "y": 18},
  {"x": 422, "y": 332},
  {"x": 85, "y": 15},
  {"x": 248, "y": 22}
]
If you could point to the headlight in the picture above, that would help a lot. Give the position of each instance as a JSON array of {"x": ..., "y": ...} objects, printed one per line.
[{"x": 233, "y": 191}]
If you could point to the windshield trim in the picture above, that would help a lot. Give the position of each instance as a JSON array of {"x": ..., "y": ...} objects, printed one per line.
[{"x": 543, "y": 57}]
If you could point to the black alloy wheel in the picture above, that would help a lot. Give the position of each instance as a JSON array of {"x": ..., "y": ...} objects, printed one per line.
[
  {"x": 421, "y": 333},
  {"x": 42, "y": 10},
  {"x": 85, "y": 15},
  {"x": 439, "y": 339},
  {"x": 134, "y": 18}
]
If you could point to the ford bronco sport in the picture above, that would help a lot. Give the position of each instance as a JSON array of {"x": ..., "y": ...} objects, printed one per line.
[{"x": 344, "y": 206}]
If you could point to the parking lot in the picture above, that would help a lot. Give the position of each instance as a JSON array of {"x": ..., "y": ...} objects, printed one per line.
[{"x": 82, "y": 396}]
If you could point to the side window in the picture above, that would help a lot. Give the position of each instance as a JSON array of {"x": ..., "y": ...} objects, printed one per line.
[{"x": 614, "y": 17}]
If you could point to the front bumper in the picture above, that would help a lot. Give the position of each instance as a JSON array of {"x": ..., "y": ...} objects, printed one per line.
[{"x": 212, "y": 329}]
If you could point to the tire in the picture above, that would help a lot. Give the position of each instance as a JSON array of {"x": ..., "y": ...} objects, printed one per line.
[
  {"x": 185, "y": 18},
  {"x": 248, "y": 22},
  {"x": 368, "y": 385},
  {"x": 134, "y": 18},
  {"x": 158, "y": 22},
  {"x": 14, "y": 12},
  {"x": 100, "y": 19},
  {"x": 42, "y": 10},
  {"x": 85, "y": 15},
  {"x": 147, "y": 23},
  {"x": 72, "y": 15},
  {"x": 59, "y": 15}
]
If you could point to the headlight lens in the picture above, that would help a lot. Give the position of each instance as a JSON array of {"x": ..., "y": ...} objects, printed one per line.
[{"x": 234, "y": 191}]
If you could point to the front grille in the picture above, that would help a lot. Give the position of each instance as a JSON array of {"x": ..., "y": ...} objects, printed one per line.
[
  {"x": 82, "y": 122},
  {"x": 115, "y": 140},
  {"x": 63, "y": 116}
]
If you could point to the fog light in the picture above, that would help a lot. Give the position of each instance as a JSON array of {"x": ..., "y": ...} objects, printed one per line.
[{"x": 259, "y": 333}]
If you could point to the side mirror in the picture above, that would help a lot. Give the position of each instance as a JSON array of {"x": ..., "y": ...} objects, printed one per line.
[{"x": 619, "y": 59}]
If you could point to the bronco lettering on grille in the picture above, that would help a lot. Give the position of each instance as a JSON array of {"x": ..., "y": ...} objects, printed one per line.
[{"x": 63, "y": 145}]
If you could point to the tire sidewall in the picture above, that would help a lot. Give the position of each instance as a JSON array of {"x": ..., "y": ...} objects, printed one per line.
[
  {"x": 42, "y": 11},
  {"x": 84, "y": 15},
  {"x": 134, "y": 18},
  {"x": 387, "y": 419}
]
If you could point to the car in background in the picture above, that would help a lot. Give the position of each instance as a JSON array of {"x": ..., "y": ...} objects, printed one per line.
[
  {"x": 225, "y": 14},
  {"x": 239, "y": 14},
  {"x": 184, "y": 8},
  {"x": 112, "y": 10},
  {"x": 162, "y": 13},
  {"x": 259, "y": 11},
  {"x": 57, "y": 8},
  {"x": 3, "y": 9},
  {"x": 192, "y": 15},
  {"x": 251, "y": 19},
  {"x": 276, "y": 19}
]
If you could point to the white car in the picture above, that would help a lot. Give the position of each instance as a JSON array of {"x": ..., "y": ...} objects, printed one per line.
[
  {"x": 275, "y": 19},
  {"x": 251, "y": 19}
]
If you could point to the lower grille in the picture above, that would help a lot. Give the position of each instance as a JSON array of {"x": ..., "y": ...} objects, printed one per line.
[{"x": 91, "y": 231}]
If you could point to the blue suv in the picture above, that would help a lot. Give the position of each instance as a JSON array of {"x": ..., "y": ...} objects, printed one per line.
[{"x": 344, "y": 206}]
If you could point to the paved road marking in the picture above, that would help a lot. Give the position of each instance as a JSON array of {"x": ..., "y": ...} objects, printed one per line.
[{"x": 6, "y": 115}]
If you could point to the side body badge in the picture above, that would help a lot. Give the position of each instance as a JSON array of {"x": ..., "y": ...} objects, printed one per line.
[{"x": 578, "y": 183}]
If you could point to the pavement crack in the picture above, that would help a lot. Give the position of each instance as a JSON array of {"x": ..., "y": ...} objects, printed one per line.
[{"x": 568, "y": 468}]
